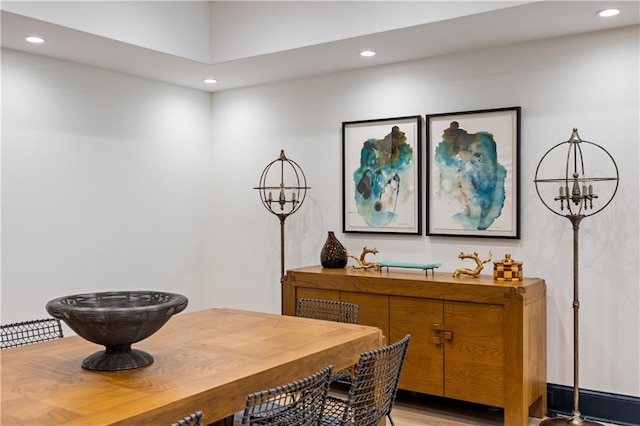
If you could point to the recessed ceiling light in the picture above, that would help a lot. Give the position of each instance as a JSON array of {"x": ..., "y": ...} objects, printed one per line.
[
  {"x": 608, "y": 12},
  {"x": 367, "y": 53},
  {"x": 34, "y": 39},
  {"x": 210, "y": 80}
]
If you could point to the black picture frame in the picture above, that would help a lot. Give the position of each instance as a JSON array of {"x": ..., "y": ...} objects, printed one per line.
[
  {"x": 473, "y": 173},
  {"x": 381, "y": 176}
]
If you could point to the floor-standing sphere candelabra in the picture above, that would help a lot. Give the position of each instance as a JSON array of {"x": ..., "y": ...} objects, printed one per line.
[
  {"x": 575, "y": 195},
  {"x": 283, "y": 188}
]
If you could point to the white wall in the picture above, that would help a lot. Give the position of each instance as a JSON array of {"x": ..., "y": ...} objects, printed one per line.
[
  {"x": 180, "y": 28},
  {"x": 219, "y": 31},
  {"x": 109, "y": 181},
  {"x": 247, "y": 28},
  {"x": 588, "y": 81},
  {"x": 106, "y": 185}
]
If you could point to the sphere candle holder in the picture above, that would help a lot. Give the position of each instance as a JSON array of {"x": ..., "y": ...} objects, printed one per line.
[
  {"x": 576, "y": 195},
  {"x": 283, "y": 189}
]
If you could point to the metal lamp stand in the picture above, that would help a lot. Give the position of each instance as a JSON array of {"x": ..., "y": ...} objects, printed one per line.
[
  {"x": 288, "y": 198},
  {"x": 576, "y": 195}
]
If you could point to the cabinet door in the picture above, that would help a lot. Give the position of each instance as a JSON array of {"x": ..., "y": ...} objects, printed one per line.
[
  {"x": 423, "y": 368},
  {"x": 474, "y": 357},
  {"x": 373, "y": 309}
]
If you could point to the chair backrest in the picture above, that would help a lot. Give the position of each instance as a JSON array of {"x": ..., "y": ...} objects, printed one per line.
[
  {"x": 375, "y": 383},
  {"x": 193, "y": 419},
  {"x": 27, "y": 332},
  {"x": 299, "y": 403},
  {"x": 329, "y": 310}
]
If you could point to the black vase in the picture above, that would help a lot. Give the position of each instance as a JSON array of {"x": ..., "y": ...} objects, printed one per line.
[{"x": 333, "y": 254}]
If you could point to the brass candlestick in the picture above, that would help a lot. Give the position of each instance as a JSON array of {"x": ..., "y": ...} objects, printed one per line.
[
  {"x": 576, "y": 193},
  {"x": 282, "y": 195}
]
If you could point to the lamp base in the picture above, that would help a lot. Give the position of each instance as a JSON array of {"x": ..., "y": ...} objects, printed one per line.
[{"x": 571, "y": 421}]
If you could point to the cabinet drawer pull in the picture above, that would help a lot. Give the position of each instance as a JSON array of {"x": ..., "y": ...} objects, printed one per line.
[
  {"x": 437, "y": 340},
  {"x": 448, "y": 335}
]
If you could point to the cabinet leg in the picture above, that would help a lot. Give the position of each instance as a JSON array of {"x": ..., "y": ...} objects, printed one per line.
[
  {"x": 516, "y": 415},
  {"x": 539, "y": 408}
]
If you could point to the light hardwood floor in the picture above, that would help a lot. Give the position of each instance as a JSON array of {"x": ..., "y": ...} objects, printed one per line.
[{"x": 424, "y": 410}]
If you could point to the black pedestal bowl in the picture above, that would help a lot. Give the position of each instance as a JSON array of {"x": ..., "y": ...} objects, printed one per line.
[{"x": 116, "y": 320}]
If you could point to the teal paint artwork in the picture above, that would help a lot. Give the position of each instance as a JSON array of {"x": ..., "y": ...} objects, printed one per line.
[
  {"x": 379, "y": 181},
  {"x": 470, "y": 176}
]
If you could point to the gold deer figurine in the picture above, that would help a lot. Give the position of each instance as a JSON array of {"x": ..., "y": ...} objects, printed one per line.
[{"x": 473, "y": 272}]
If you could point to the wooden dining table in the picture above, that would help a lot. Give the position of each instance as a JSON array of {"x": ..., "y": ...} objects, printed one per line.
[{"x": 208, "y": 360}]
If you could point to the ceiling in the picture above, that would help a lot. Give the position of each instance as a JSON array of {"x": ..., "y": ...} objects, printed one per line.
[{"x": 496, "y": 24}]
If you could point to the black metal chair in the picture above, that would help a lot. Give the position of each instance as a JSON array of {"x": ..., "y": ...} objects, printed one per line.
[
  {"x": 28, "y": 332},
  {"x": 193, "y": 419},
  {"x": 328, "y": 310},
  {"x": 300, "y": 403},
  {"x": 373, "y": 389}
]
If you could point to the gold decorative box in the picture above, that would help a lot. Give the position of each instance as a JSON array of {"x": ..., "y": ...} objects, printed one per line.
[{"x": 507, "y": 269}]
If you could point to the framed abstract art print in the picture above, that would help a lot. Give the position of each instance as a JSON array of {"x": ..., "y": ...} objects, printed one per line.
[
  {"x": 381, "y": 166},
  {"x": 473, "y": 173}
]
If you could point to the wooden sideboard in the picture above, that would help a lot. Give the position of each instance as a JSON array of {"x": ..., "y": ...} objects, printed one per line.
[{"x": 473, "y": 339}]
